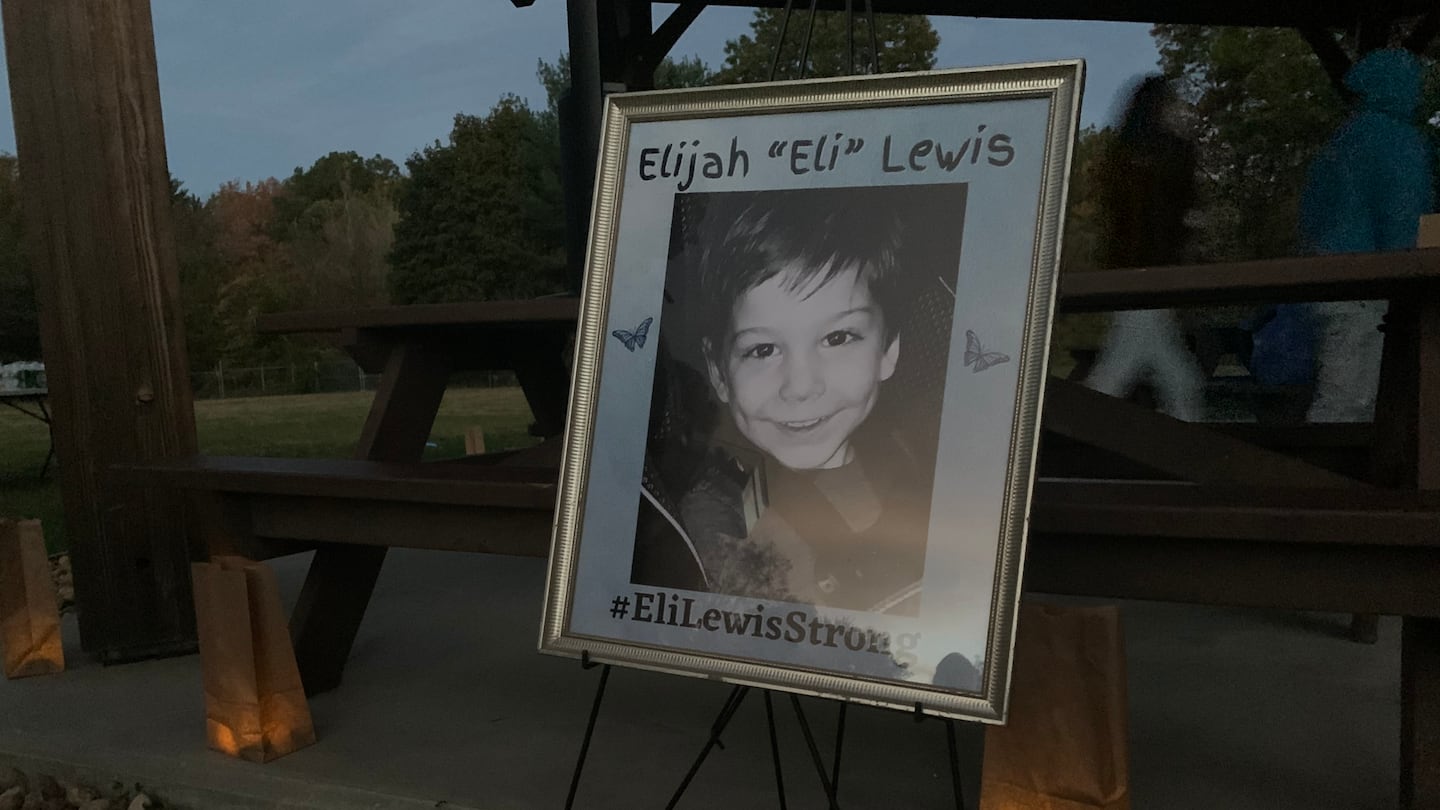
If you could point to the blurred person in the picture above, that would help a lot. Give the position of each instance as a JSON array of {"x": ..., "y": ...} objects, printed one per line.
[{"x": 1147, "y": 188}]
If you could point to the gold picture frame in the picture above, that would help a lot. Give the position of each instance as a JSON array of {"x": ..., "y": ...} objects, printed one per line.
[{"x": 853, "y": 278}]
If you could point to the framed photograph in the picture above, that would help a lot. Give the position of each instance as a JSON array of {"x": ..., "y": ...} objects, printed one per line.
[{"x": 807, "y": 383}]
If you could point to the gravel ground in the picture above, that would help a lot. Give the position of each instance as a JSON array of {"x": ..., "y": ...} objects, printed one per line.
[
  {"x": 20, "y": 791},
  {"x": 64, "y": 585}
]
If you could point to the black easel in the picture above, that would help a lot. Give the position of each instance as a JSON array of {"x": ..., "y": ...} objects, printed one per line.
[
  {"x": 829, "y": 782},
  {"x": 586, "y": 663}
]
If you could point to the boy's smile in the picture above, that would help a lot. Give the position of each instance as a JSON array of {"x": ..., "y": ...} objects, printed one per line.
[{"x": 803, "y": 366}]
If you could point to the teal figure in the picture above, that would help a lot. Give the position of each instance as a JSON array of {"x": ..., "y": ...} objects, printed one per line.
[{"x": 1366, "y": 192}]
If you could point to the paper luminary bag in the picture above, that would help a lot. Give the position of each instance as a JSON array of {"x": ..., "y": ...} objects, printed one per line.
[
  {"x": 255, "y": 705},
  {"x": 1065, "y": 746},
  {"x": 29, "y": 611}
]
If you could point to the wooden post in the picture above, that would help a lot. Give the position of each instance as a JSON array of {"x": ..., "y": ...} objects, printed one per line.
[
  {"x": 1407, "y": 455},
  {"x": 1420, "y": 637},
  {"x": 96, "y": 187},
  {"x": 580, "y": 114},
  {"x": 475, "y": 441}
]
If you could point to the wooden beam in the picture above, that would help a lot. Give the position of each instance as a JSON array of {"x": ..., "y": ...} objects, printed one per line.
[
  {"x": 1340, "y": 448},
  {"x": 664, "y": 38},
  {"x": 1419, "y": 712},
  {"x": 341, "y": 578},
  {"x": 96, "y": 189},
  {"x": 500, "y": 315},
  {"x": 1407, "y": 416},
  {"x": 1341, "y": 277},
  {"x": 1189, "y": 452},
  {"x": 1242, "y": 573},
  {"x": 460, "y": 482},
  {"x": 581, "y": 110},
  {"x": 404, "y": 408},
  {"x": 545, "y": 378},
  {"x": 1332, "y": 57},
  {"x": 438, "y": 527},
  {"x": 1276, "y": 13},
  {"x": 1167, "y": 510}
]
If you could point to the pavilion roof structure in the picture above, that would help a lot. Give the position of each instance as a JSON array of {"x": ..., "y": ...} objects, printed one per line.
[{"x": 1289, "y": 13}]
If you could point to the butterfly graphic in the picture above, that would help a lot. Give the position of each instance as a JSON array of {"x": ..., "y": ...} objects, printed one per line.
[
  {"x": 975, "y": 354},
  {"x": 636, "y": 338}
]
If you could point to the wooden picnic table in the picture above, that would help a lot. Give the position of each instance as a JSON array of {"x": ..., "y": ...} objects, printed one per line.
[
  {"x": 415, "y": 350},
  {"x": 1129, "y": 504},
  {"x": 1271, "y": 534},
  {"x": 351, "y": 512}
]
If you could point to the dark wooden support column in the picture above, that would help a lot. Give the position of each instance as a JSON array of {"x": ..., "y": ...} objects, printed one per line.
[
  {"x": 610, "y": 48},
  {"x": 1407, "y": 454},
  {"x": 1420, "y": 713},
  {"x": 86, "y": 100},
  {"x": 1420, "y": 650},
  {"x": 623, "y": 55},
  {"x": 341, "y": 578},
  {"x": 580, "y": 113},
  {"x": 1332, "y": 57},
  {"x": 646, "y": 56}
]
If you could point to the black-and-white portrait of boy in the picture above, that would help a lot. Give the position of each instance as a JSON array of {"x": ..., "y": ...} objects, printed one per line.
[{"x": 795, "y": 413}]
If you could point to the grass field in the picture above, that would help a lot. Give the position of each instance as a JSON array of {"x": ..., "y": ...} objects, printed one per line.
[{"x": 307, "y": 426}]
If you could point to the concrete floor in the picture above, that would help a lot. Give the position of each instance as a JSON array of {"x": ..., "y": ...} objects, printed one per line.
[{"x": 447, "y": 704}]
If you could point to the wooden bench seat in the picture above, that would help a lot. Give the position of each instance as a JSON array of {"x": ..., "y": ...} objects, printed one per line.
[
  {"x": 1167, "y": 509},
  {"x": 504, "y": 507},
  {"x": 524, "y": 487},
  {"x": 1342, "y": 277},
  {"x": 1341, "y": 448}
]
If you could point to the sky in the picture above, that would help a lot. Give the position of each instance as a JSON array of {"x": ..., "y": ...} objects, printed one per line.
[{"x": 255, "y": 89}]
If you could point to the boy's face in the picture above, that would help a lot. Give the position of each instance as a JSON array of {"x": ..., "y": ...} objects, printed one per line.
[{"x": 804, "y": 366}]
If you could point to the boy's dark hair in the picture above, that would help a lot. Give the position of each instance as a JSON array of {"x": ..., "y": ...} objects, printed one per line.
[{"x": 734, "y": 241}]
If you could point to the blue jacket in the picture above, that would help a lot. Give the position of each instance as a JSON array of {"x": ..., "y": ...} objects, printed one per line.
[
  {"x": 1369, "y": 186},
  {"x": 1365, "y": 192}
]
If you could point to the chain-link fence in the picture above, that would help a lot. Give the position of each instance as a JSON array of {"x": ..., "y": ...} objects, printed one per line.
[{"x": 226, "y": 381}]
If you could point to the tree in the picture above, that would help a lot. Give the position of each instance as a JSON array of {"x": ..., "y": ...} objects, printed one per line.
[
  {"x": 689, "y": 71},
  {"x": 335, "y": 222},
  {"x": 244, "y": 217},
  {"x": 482, "y": 216},
  {"x": 19, "y": 314},
  {"x": 1080, "y": 248},
  {"x": 905, "y": 42},
  {"x": 340, "y": 258},
  {"x": 1264, "y": 106},
  {"x": 336, "y": 176},
  {"x": 254, "y": 278},
  {"x": 203, "y": 272},
  {"x": 1082, "y": 215}
]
